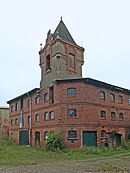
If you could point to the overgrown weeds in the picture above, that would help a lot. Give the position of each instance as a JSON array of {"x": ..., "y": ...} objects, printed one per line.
[{"x": 12, "y": 154}]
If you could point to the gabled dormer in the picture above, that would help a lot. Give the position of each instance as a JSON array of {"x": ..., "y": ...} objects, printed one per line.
[{"x": 61, "y": 57}]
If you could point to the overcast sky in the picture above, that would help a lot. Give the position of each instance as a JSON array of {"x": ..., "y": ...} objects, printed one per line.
[{"x": 102, "y": 27}]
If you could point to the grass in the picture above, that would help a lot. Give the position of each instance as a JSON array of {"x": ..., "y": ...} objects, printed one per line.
[
  {"x": 111, "y": 168},
  {"x": 12, "y": 154}
]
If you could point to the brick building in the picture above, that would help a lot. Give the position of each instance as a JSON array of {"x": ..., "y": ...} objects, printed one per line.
[
  {"x": 4, "y": 122},
  {"x": 89, "y": 112}
]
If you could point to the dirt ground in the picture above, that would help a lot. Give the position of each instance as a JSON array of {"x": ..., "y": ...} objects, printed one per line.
[{"x": 118, "y": 163}]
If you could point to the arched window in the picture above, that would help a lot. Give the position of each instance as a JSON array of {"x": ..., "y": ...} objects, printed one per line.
[
  {"x": 16, "y": 121},
  {"x": 45, "y": 135},
  {"x": 112, "y": 97},
  {"x": 103, "y": 115},
  {"x": 72, "y": 113},
  {"x": 12, "y": 108},
  {"x": 52, "y": 115},
  {"x": 72, "y": 134},
  {"x": 28, "y": 103},
  {"x": 37, "y": 100},
  {"x": 29, "y": 119},
  {"x": 113, "y": 116},
  {"x": 121, "y": 116},
  {"x": 103, "y": 134},
  {"x": 46, "y": 97},
  {"x": 120, "y": 99},
  {"x": 102, "y": 95},
  {"x": 11, "y": 122},
  {"x": 46, "y": 116},
  {"x": 37, "y": 118},
  {"x": 48, "y": 62},
  {"x": 71, "y": 61}
]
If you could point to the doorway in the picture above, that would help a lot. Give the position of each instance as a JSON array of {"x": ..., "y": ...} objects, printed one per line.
[
  {"x": 37, "y": 138},
  {"x": 89, "y": 138}
]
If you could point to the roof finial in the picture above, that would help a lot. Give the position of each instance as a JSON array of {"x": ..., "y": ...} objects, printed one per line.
[{"x": 61, "y": 18}]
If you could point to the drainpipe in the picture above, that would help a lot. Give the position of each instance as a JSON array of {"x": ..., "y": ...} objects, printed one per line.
[{"x": 30, "y": 112}]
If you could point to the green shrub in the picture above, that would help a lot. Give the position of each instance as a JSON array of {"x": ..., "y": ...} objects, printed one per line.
[
  {"x": 55, "y": 142},
  {"x": 7, "y": 142},
  {"x": 125, "y": 144}
]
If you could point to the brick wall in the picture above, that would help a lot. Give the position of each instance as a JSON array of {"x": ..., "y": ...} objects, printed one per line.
[{"x": 88, "y": 106}]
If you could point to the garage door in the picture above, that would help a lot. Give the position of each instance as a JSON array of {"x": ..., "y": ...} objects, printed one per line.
[
  {"x": 90, "y": 138},
  {"x": 23, "y": 137}
]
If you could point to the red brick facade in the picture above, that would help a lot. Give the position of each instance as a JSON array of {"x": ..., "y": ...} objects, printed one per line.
[
  {"x": 89, "y": 112},
  {"x": 88, "y": 106}
]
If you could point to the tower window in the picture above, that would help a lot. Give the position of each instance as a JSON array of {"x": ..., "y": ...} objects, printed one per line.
[
  {"x": 71, "y": 61},
  {"x": 51, "y": 95},
  {"x": 48, "y": 62}
]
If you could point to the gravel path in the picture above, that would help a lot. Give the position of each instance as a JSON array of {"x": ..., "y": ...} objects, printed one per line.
[{"x": 119, "y": 163}]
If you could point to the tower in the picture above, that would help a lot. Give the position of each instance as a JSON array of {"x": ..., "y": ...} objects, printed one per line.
[{"x": 61, "y": 57}]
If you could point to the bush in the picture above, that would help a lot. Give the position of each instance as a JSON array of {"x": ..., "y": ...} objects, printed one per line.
[
  {"x": 125, "y": 144},
  {"x": 55, "y": 142},
  {"x": 7, "y": 142}
]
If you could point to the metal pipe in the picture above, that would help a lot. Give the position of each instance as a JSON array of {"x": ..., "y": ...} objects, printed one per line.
[{"x": 30, "y": 112}]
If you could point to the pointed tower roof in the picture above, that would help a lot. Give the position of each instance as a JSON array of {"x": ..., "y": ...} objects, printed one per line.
[{"x": 63, "y": 33}]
